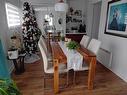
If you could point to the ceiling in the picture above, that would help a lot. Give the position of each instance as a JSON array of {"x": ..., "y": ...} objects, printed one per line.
[{"x": 41, "y": 2}]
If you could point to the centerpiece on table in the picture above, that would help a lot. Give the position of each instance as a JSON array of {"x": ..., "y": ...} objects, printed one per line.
[{"x": 72, "y": 45}]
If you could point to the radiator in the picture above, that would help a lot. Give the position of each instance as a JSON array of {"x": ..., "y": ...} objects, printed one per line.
[{"x": 105, "y": 57}]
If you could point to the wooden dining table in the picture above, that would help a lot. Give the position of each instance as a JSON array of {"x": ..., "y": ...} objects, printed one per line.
[{"x": 60, "y": 57}]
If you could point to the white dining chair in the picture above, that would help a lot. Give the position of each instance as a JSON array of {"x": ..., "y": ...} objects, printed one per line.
[
  {"x": 43, "y": 41},
  {"x": 44, "y": 45},
  {"x": 84, "y": 41},
  {"x": 48, "y": 68},
  {"x": 94, "y": 47}
]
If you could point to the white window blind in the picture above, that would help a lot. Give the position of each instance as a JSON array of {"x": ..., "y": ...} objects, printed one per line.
[{"x": 13, "y": 17}]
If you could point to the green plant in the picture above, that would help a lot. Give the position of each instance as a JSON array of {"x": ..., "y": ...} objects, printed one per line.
[
  {"x": 8, "y": 87},
  {"x": 72, "y": 45}
]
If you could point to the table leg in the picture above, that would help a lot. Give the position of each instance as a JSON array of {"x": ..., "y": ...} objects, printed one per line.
[
  {"x": 91, "y": 74},
  {"x": 22, "y": 69},
  {"x": 59, "y": 36},
  {"x": 56, "y": 76},
  {"x": 17, "y": 71}
]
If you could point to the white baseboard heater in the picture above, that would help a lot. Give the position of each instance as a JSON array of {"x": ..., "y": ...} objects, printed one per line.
[{"x": 105, "y": 57}]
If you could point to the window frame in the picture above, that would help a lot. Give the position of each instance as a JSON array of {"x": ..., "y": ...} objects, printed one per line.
[{"x": 16, "y": 15}]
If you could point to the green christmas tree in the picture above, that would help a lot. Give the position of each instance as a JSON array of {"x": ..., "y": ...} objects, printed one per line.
[{"x": 30, "y": 30}]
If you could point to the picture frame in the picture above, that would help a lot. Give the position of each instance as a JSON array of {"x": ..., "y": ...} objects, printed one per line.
[{"x": 116, "y": 20}]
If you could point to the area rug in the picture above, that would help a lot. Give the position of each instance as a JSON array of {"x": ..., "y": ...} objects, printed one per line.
[{"x": 31, "y": 58}]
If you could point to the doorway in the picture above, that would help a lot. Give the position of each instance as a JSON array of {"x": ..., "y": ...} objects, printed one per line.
[{"x": 96, "y": 19}]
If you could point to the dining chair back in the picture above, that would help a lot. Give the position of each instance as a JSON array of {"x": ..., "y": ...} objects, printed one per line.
[
  {"x": 43, "y": 41},
  {"x": 84, "y": 41},
  {"x": 94, "y": 46},
  {"x": 48, "y": 68},
  {"x": 44, "y": 56}
]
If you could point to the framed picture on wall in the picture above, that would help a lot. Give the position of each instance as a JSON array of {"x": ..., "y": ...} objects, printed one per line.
[{"x": 116, "y": 21}]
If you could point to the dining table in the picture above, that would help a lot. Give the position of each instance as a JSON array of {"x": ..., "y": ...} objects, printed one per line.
[{"x": 60, "y": 57}]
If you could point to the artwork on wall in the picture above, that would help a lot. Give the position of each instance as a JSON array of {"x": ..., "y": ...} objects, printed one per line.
[
  {"x": 60, "y": 21},
  {"x": 116, "y": 21}
]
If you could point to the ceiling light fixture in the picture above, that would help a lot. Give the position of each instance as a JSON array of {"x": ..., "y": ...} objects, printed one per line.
[{"x": 61, "y": 6}]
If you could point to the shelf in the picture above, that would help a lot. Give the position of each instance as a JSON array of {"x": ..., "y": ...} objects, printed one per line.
[
  {"x": 75, "y": 36},
  {"x": 75, "y": 33}
]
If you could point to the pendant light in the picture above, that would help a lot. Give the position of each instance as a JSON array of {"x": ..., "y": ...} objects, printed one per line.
[{"x": 61, "y": 6}]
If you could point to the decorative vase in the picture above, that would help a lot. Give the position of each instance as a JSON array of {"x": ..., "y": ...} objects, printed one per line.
[
  {"x": 62, "y": 42},
  {"x": 13, "y": 54},
  {"x": 73, "y": 51}
]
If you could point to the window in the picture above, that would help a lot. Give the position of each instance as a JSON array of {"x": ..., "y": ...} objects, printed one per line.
[{"x": 12, "y": 13}]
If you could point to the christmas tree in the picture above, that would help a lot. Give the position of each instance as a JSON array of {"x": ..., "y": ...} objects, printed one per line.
[{"x": 30, "y": 30}]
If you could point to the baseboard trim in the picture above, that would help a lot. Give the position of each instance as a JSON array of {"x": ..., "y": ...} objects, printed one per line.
[{"x": 117, "y": 74}]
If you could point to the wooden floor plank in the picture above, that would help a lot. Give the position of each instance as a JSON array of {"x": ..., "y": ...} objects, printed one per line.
[{"x": 106, "y": 83}]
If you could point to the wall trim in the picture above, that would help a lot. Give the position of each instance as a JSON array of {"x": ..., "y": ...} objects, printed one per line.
[{"x": 125, "y": 80}]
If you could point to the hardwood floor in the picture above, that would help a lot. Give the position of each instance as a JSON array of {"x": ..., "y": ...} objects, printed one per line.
[
  {"x": 106, "y": 83},
  {"x": 31, "y": 81}
]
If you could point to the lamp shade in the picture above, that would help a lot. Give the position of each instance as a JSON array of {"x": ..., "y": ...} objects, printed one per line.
[{"x": 61, "y": 7}]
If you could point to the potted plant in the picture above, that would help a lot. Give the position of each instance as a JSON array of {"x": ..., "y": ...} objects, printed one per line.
[
  {"x": 62, "y": 38},
  {"x": 72, "y": 45},
  {"x": 8, "y": 87}
]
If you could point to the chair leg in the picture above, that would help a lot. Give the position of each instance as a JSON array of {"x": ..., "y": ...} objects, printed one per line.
[
  {"x": 67, "y": 78},
  {"x": 45, "y": 77},
  {"x": 44, "y": 82},
  {"x": 74, "y": 78},
  {"x": 50, "y": 78}
]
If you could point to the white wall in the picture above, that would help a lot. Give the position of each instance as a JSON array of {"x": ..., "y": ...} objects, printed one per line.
[
  {"x": 63, "y": 25},
  {"x": 40, "y": 19},
  {"x": 41, "y": 2},
  {"x": 78, "y": 5},
  {"x": 89, "y": 17},
  {"x": 116, "y": 45},
  {"x": 3, "y": 25},
  {"x": 96, "y": 20},
  {"x": 95, "y": 1},
  {"x": 4, "y": 30}
]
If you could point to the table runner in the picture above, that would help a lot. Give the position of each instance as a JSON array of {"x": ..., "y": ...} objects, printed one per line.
[{"x": 74, "y": 58}]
